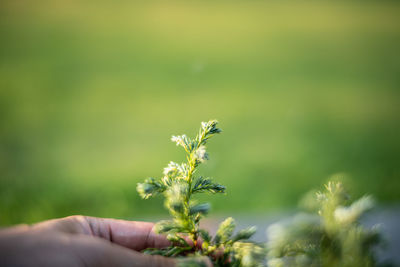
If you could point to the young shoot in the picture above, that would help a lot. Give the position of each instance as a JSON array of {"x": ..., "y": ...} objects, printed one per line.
[{"x": 179, "y": 184}]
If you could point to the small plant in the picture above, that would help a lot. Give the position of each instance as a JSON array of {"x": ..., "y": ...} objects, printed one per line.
[
  {"x": 179, "y": 184},
  {"x": 332, "y": 236}
]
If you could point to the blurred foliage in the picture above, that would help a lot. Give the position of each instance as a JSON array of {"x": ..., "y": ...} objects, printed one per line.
[
  {"x": 329, "y": 236},
  {"x": 89, "y": 91}
]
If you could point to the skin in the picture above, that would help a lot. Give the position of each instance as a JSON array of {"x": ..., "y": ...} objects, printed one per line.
[{"x": 82, "y": 241}]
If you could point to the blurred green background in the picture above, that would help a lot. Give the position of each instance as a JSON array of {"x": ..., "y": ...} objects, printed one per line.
[{"x": 91, "y": 91}]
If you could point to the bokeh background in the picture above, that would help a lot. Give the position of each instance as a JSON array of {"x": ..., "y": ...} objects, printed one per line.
[{"x": 91, "y": 91}]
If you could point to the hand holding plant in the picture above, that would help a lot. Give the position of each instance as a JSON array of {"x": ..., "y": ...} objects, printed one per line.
[{"x": 179, "y": 184}]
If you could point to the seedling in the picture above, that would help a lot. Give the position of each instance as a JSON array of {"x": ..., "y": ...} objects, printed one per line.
[{"x": 179, "y": 184}]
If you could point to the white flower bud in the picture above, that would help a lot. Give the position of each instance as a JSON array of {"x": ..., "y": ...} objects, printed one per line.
[{"x": 201, "y": 154}]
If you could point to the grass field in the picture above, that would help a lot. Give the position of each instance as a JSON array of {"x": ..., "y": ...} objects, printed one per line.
[{"x": 91, "y": 91}]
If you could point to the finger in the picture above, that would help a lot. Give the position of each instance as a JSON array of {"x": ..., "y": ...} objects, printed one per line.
[
  {"x": 98, "y": 252},
  {"x": 130, "y": 234},
  {"x": 71, "y": 224}
]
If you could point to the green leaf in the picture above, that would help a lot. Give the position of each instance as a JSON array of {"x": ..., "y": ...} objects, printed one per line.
[
  {"x": 210, "y": 127},
  {"x": 153, "y": 251},
  {"x": 168, "y": 226},
  {"x": 193, "y": 261},
  {"x": 175, "y": 197},
  {"x": 206, "y": 185},
  {"x": 205, "y": 235},
  {"x": 176, "y": 239},
  {"x": 176, "y": 207},
  {"x": 249, "y": 254},
  {"x": 150, "y": 188},
  {"x": 245, "y": 234},
  {"x": 175, "y": 251},
  {"x": 225, "y": 230},
  {"x": 199, "y": 208},
  {"x": 207, "y": 130}
]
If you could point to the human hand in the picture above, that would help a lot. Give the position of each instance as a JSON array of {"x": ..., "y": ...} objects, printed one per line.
[{"x": 82, "y": 241}]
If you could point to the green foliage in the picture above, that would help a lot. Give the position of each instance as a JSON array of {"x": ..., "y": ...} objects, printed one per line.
[
  {"x": 150, "y": 188},
  {"x": 225, "y": 231},
  {"x": 328, "y": 235},
  {"x": 178, "y": 185}
]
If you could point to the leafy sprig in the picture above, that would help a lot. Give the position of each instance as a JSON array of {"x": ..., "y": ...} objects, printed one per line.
[
  {"x": 330, "y": 235},
  {"x": 178, "y": 185}
]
